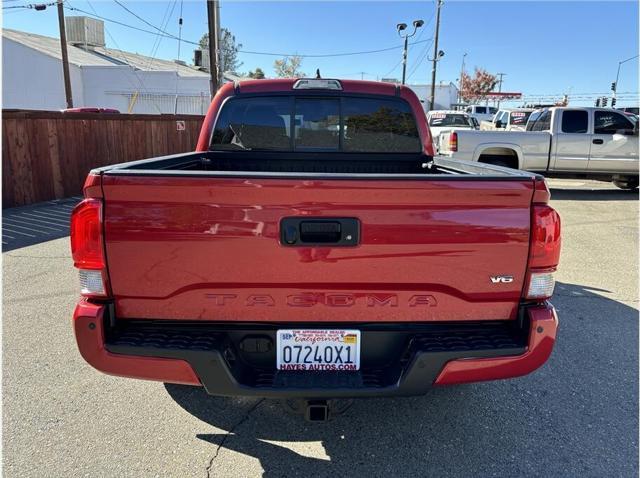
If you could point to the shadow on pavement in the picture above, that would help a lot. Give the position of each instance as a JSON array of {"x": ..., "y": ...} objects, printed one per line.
[
  {"x": 578, "y": 414},
  {"x": 593, "y": 195}
]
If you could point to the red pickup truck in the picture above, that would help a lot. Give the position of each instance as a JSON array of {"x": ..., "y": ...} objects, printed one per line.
[{"x": 313, "y": 248}]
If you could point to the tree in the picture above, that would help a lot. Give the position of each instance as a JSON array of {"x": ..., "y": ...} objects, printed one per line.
[
  {"x": 257, "y": 74},
  {"x": 478, "y": 86},
  {"x": 288, "y": 67},
  {"x": 228, "y": 50}
]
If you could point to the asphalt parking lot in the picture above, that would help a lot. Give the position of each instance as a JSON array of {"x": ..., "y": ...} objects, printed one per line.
[{"x": 578, "y": 415}]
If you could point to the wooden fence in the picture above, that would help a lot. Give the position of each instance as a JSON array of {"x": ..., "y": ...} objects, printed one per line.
[{"x": 47, "y": 154}]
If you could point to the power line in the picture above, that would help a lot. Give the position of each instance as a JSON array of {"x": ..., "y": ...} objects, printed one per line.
[
  {"x": 124, "y": 60},
  {"x": 246, "y": 52},
  {"x": 421, "y": 57},
  {"x": 35, "y": 6},
  {"x": 143, "y": 20},
  {"x": 327, "y": 55},
  {"x": 125, "y": 24}
]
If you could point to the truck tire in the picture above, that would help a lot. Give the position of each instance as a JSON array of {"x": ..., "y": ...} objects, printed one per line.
[{"x": 627, "y": 183}]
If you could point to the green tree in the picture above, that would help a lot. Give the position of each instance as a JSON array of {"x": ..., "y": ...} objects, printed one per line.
[
  {"x": 257, "y": 74},
  {"x": 228, "y": 50},
  {"x": 288, "y": 67}
]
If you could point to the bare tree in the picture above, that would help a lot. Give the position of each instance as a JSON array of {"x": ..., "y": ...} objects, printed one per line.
[{"x": 288, "y": 67}]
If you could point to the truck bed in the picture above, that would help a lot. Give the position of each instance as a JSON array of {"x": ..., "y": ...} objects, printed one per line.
[{"x": 196, "y": 237}]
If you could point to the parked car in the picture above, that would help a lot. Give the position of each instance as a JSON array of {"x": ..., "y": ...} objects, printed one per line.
[
  {"x": 446, "y": 120},
  {"x": 481, "y": 113},
  {"x": 508, "y": 120},
  {"x": 291, "y": 259},
  {"x": 85, "y": 109},
  {"x": 573, "y": 142}
]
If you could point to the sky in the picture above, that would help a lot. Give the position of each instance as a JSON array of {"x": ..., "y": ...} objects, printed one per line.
[{"x": 543, "y": 47}]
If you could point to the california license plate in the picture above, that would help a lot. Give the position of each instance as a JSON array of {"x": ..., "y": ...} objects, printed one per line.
[{"x": 318, "y": 350}]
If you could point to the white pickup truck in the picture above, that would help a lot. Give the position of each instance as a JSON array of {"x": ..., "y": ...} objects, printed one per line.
[
  {"x": 508, "y": 120},
  {"x": 481, "y": 113},
  {"x": 574, "y": 142}
]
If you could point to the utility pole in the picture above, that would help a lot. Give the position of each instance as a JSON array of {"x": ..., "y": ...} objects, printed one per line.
[
  {"x": 212, "y": 20},
  {"x": 221, "y": 66},
  {"x": 65, "y": 57},
  {"x": 435, "y": 58},
  {"x": 460, "y": 83},
  {"x": 500, "y": 87}
]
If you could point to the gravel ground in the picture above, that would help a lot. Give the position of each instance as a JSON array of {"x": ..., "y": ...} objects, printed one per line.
[{"x": 577, "y": 415}]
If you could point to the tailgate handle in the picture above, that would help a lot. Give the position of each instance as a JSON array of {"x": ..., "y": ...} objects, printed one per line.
[
  {"x": 320, "y": 231},
  {"x": 297, "y": 231}
]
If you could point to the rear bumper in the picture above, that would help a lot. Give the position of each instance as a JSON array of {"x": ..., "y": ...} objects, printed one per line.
[{"x": 401, "y": 359}]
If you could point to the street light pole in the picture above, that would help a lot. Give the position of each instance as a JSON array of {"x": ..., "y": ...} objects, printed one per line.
[
  {"x": 65, "y": 57},
  {"x": 401, "y": 27},
  {"x": 615, "y": 85},
  {"x": 436, "y": 56}
]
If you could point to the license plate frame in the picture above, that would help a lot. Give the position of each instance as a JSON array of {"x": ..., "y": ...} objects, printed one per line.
[{"x": 317, "y": 350}]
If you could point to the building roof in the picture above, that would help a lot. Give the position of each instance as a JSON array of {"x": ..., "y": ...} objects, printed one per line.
[{"x": 98, "y": 56}]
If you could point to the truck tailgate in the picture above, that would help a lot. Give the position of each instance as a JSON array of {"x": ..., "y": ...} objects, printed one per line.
[{"x": 208, "y": 248}]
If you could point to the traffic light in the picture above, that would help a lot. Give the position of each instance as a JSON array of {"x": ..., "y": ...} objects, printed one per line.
[
  {"x": 597, "y": 102},
  {"x": 613, "y": 102},
  {"x": 605, "y": 100},
  {"x": 613, "y": 86}
]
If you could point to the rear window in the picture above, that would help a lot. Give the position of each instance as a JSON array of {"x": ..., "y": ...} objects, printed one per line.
[
  {"x": 540, "y": 121},
  {"x": 519, "y": 118},
  {"x": 379, "y": 126},
  {"x": 254, "y": 123},
  {"x": 289, "y": 123},
  {"x": 481, "y": 110},
  {"x": 449, "y": 119},
  {"x": 317, "y": 124},
  {"x": 575, "y": 121}
]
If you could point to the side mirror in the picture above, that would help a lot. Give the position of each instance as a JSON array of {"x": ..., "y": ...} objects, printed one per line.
[{"x": 498, "y": 124}]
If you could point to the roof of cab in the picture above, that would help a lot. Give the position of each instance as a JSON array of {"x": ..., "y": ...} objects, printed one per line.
[{"x": 348, "y": 86}]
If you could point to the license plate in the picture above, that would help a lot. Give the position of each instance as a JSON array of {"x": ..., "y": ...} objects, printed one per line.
[{"x": 318, "y": 350}]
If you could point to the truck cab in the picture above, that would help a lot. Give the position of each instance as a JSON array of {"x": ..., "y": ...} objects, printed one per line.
[
  {"x": 508, "y": 120},
  {"x": 481, "y": 113},
  {"x": 596, "y": 140}
]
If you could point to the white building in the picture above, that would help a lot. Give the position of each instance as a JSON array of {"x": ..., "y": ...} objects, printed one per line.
[
  {"x": 446, "y": 95},
  {"x": 101, "y": 77}
]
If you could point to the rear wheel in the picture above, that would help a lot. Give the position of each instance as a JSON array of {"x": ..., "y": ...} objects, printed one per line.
[
  {"x": 497, "y": 160},
  {"x": 627, "y": 183}
]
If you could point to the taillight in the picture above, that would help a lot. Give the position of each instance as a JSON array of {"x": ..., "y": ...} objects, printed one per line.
[
  {"x": 87, "y": 247},
  {"x": 544, "y": 248},
  {"x": 453, "y": 141}
]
